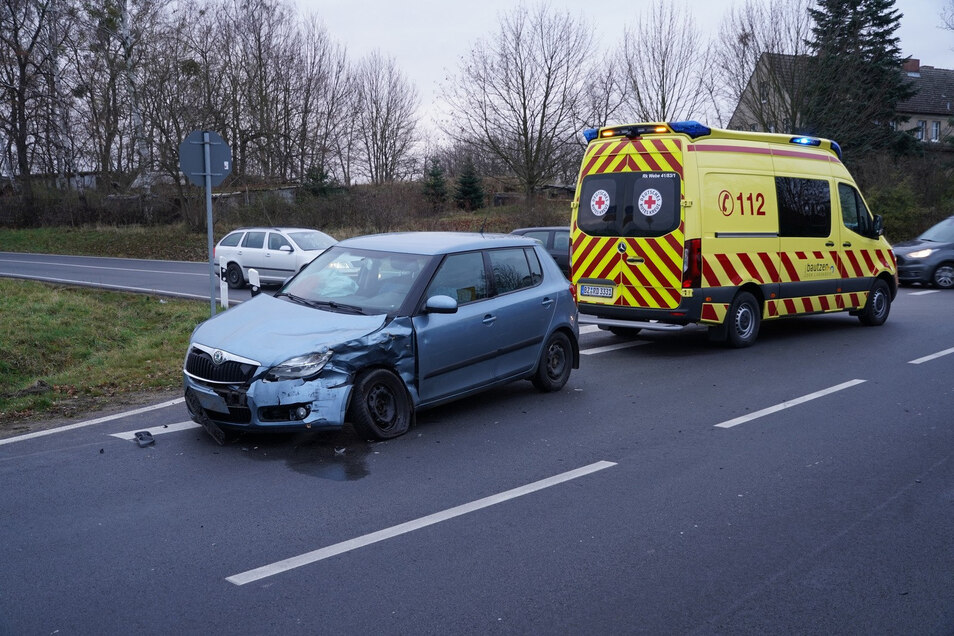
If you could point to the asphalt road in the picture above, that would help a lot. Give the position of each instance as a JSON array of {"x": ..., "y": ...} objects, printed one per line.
[{"x": 803, "y": 485}]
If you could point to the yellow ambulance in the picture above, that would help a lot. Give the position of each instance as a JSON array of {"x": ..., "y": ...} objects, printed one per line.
[{"x": 678, "y": 223}]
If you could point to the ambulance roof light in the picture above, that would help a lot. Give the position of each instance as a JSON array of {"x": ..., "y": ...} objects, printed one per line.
[
  {"x": 805, "y": 141},
  {"x": 590, "y": 134},
  {"x": 692, "y": 128}
]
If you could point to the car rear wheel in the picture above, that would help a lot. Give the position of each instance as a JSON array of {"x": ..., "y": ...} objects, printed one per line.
[
  {"x": 876, "y": 309},
  {"x": 234, "y": 276},
  {"x": 555, "y": 362},
  {"x": 380, "y": 407},
  {"x": 944, "y": 276},
  {"x": 743, "y": 320}
]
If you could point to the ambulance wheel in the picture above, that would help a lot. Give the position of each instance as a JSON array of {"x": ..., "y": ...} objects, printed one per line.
[
  {"x": 553, "y": 370},
  {"x": 743, "y": 320},
  {"x": 876, "y": 309},
  {"x": 380, "y": 407},
  {"x": 234, "y": 276},
  {"x": 943, "y": 276},
  {"x": 624, "y": 332}
]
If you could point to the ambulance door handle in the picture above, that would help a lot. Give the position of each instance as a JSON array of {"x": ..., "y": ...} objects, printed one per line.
[
  {"x": 846, "y": 244},
  {"x": 830, "y": 244}
]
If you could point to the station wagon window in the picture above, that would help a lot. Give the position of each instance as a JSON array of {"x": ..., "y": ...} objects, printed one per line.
[
  {"x": 232, "y": 239},
  {"x": 637, "y": 204},
  {"x": 276, "y": 241},
  {"x": 511, "y": 268},
  {"x": 541, "y": 236},
  {"x": 854, "y": 214},
  {"x": 462, "y": 277},
  {"x": 804, "y": 207},
  {"x": 254, "y": 239}
]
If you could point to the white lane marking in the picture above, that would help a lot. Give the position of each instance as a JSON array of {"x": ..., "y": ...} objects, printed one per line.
[
  {"x": 922, "y": 293},
  {"x": 613, "y": 347},
  {"x": 118, "y": 269},
  {"x": 933, "y": 356},
  {"x": 86, "y": 283},
  {"x": 589, "y": 328},
  {"x": 788, "y": 404},
  {"x": 100, "y": 420},
  {"x": 157, "y": 430},
  {"x": 394, "y": 531}
]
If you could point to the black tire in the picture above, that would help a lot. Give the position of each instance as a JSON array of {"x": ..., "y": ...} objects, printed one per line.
[
  {"x": 943, "y": 276},
  {"x": 743, "y": 320},
  {"x": 380, "y": 407},
  {"x": 234, "y": 276},
  {"x": 878, "y": 305},
  {"x": 556, "y": 361}
]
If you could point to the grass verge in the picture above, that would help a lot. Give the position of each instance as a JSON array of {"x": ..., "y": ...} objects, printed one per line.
[{"x": 65, "y": 351}]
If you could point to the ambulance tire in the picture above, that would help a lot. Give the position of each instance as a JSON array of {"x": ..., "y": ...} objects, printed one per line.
[
  {"x": 876, "y": 309},
  {"x": 556, "y": 360},
  {"x": 624, "y": 332},
  {"x": 743, "y": 321}
]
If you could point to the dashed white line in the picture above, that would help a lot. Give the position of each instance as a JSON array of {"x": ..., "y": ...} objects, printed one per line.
[
  {"x": 925, "y": 292},
  {"x": 589, "y": 328},
  {"x": 613, "y": 347},
  {"x": 353, "y": 544},
  {"x": 788, "y": 404},
  {"x": 933, "y": 356},
  {"x": 157, "y": 430}
]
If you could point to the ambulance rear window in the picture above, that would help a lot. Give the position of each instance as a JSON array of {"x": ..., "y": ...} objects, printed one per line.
[{"x": 637, "y": 204}]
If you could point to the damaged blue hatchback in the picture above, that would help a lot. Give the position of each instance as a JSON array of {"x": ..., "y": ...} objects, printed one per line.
[{"x": 379, "y": 327}]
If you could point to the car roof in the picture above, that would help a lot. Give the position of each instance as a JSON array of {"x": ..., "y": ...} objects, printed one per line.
[
  {"x": 275, "y": 229},
  {"x": 542, "y": 228},
  {"x": 431, "y": 243}
]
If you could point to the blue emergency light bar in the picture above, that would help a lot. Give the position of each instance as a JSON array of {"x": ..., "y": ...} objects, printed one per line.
[
  {"x": 692, "y": 128},
  {"x": 814, "y": 141}
]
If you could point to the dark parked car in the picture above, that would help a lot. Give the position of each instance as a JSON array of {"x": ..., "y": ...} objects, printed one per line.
[
  {"x": 556, "y": 240},
  {"x": 379, "y": 327},
  {"x": 928, "y": 259}
]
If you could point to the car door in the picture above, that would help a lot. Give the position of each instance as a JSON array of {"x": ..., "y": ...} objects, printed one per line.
[
  {"x": 251, "y": 254},
  {"x": 280, "y": 258},
  {"x": 455, "y": 352}
]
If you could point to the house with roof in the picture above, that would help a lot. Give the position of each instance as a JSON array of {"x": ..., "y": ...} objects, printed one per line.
[{"x": 772, "y": 95}]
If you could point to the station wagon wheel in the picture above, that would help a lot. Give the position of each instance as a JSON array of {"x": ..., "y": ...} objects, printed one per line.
[
  {"x": 876, "y": 309},
  {"x": 743, "y": 320},
  {"x": 944, "y": 276},
  {"x": 380, "y": 407},
  {"x": 555, "y": 363},
  {"x": 234, "y": 276}
]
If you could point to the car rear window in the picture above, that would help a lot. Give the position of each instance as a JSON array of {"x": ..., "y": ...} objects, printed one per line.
[
  {"x": 232, "y": 239},
  {"x": 637, "y": 204}
]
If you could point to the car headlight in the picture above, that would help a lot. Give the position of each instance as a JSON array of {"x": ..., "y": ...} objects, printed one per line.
[
  {"x": 299, "y": 367},
  {"x": 921, "y": 253}
]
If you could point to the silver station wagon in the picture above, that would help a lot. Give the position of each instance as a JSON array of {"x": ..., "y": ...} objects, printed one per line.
[{"x": 379, "y": 327}]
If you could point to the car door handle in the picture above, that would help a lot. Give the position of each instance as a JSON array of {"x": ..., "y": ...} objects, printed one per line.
[
  {"x": 547, "y": 302},
  {"x": 489, "y": 319},
  {"x": 830, "y": 244},
  {"x": 846, "y": 244}
]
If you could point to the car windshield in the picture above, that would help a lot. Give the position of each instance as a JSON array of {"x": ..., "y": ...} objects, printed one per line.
[
  {"x": 357, "y": 281},
  {"x": 311, "y": 240},
  {"x": 943, "y": 232}
]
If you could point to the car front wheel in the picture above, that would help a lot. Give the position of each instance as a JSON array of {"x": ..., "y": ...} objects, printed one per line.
[
  {"x": 944, "y": 276},
  {"x": 380, "y": 407},
  {"x": 555, "y": 363},
  {"x": 234, "y": 276}
]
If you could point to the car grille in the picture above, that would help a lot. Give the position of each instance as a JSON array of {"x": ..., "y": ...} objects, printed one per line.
[{"x": 199, "y": 364}]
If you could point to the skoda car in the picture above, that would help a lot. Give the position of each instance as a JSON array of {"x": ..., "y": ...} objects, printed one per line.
[
  {"x": 377, "y": 328},
  {"x": 928, "y": 259},
  {"x": 276, "y": 253}
]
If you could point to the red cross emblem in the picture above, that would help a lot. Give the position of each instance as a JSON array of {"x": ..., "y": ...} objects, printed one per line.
[
  {"x": 650, "y": 202},
  {"x": 600, "y": 202}
]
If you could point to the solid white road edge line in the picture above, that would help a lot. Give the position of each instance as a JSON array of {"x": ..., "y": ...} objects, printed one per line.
[
  {"x": 158, "y": 430},
  {"x": 933, "y": 356},
  {"x": 394, "y": 531},
  {"x": 612, "y": 347},
  {"x": 70, "y": 427},
  {"x": 789, "y": 404}
]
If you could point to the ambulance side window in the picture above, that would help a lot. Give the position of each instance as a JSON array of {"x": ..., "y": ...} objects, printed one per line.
[
  {"x": 854, "y": 214},
  {"x": 804, "y": 207}
]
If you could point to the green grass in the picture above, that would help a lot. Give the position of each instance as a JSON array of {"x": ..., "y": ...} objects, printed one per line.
[
  {"x": 163, "y": 242},
  {"x": 87, "y": 346}
]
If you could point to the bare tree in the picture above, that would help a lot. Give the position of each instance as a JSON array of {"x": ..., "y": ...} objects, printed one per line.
[
  {"x": 386, "y": 118},
  {"x": 516, "y": 94},
  {"x": 664, "y": 58},
  {"x": 759, "y": 64}
]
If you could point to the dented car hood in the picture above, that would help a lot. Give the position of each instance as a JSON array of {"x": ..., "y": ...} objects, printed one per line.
[{"x": 270, "y": 330}]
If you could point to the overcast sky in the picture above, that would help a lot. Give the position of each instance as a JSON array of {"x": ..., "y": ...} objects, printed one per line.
[{"x": 428, "y": 37}]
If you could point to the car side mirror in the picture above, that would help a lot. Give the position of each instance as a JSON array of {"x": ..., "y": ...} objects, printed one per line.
[
  {"x": 440, "y": 304},
  {"x": 878, "y": 226},
  {"x": 285, "y": 248},
  {"x": 254, "y": 282}
]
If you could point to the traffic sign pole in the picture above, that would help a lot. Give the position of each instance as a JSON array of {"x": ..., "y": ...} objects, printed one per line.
[{"x": 208, "y": 218}]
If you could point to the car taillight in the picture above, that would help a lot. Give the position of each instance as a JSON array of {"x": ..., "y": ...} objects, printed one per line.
[
  {"x": 692, "y": 264},
  {"x": 573, "y": 292}
]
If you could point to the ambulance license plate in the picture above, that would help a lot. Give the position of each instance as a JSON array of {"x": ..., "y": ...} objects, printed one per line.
[{"x": 596, "y": 290}]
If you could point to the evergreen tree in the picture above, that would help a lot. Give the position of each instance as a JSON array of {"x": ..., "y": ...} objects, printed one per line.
[
  {"x": 470, "y": 193},
  {"x": 435, "y": 185},
  {"x": 854, "y": 79}
]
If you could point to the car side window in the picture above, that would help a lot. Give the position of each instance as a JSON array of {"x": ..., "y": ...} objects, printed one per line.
[
  {"x": 804, "y": 207},
  {"x": 854, "y": 214},
  {"x": 276, "y": 241},
  {"x": 539, "y": 236},
  {"x": 536, "y": 269},
  {"x": 511, "y": 269},
  {"x": 254, "y": 240},
  {"x": 232, "y": 239},
  {"x": 462, "y": 277},
  {"x": 561, "y": 240}
]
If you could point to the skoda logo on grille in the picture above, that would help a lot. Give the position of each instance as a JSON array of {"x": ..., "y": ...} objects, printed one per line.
[{"x": 218, "y": 357}]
